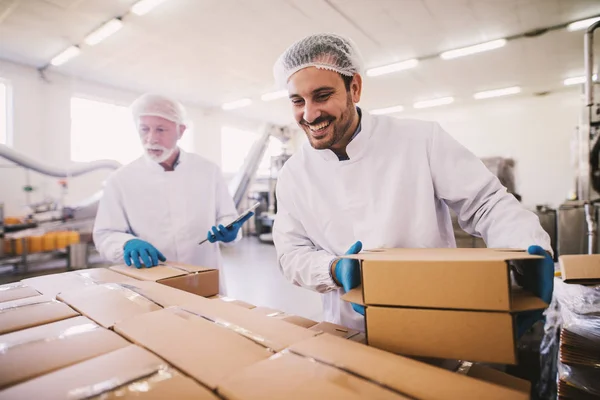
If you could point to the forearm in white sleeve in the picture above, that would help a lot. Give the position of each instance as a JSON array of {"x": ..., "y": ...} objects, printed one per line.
[
  {"x": 111, "y": 229},
  {"x": 300, "y": 261},
  {"x": 483, "y": 205},
  {"x": 226, "y": 212}
]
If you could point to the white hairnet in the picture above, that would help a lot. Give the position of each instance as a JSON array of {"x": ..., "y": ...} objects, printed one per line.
[
  {"x": 323, "y": 50},
  {"x": 158, "y": 106}
]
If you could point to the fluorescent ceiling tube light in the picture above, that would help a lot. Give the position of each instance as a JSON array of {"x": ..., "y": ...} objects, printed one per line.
[
  {"x": 274, "y": 95},
  {"x": 144, "y": 6},
  {"x": 578, "y": 80},
  {"x": 388, "y": 69},
  {"x": 103, "y": 32},
  {"x": 583, "y": 24},
  {"x": 65, "y": 56},
  {"x": 478, "y": 48},
  {"x": 497, "y": 93},
  {"x": 434, "y": 103},
  {"x": 236, "y": 104},
  {"x": 387, "y": 110}
]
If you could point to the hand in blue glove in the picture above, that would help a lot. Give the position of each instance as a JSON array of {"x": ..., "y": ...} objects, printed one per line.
[
  {"x": 136, "y": 249},
  {"x": 347, "y": 273},
  {"x": 226, "y": 235},
  {"x": 539, "y": 280}
]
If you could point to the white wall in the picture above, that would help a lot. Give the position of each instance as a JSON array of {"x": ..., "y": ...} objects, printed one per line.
[
  {"x": 41, "y": 129},
  {"x": 535, "y": 131}
]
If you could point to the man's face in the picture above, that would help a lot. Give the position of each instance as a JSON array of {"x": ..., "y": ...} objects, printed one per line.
[
  {"x": 322, "y": 106},
  {"x": 159, "y": 136}
]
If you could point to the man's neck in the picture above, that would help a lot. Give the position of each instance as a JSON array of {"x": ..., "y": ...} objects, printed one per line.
[
  {"x": 340, "y": 148},
  {"x": 169, "y": 164}
]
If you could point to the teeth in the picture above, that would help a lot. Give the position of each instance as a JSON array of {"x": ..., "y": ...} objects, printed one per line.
[{"x": 320, "y": 126}]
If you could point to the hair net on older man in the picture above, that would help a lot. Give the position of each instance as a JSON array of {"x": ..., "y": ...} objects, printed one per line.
[
  {"x": 158, "y": 106},
  {"x": 323, "y": 50}
]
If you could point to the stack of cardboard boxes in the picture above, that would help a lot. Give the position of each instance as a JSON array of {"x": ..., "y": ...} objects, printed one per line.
[{"x": 139, "y": 335}]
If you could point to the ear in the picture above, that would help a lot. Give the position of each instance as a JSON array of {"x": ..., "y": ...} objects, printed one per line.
[
  {"x": 356, "y": 88},
  {"x": 181, "y": 129}
]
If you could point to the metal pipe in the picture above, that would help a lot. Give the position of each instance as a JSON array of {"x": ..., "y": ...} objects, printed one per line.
[
  {"x": 590, "y": 219},
  {"x": 588, "y": 51}
]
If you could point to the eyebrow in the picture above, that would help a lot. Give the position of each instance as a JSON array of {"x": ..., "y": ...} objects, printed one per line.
[{"x": 315, "y": 92}]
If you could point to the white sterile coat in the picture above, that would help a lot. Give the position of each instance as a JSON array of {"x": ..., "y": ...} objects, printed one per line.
[
  {"x": 172, "y": 210},
  {"x": 394, "y": 192}
]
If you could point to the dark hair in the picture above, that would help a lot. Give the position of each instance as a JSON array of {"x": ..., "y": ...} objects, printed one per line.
[{"x": 347, "y": 81}]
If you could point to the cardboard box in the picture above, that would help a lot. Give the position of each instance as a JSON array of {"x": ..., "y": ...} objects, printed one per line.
[
  {"x": 52, "y": 285},
  {"x": 32, "y": 311},
  {"x": 582, "y": 268},
  {"x": 32, "y": 352},
  {"x": 16, "y": 291},
  {"x": 229, "y": 300},
  {"x": 334, "y": 329},
  {"x": 129, "y": 372},
  {"x": 491, "y": 375},
  {"x": 209, "y": 344},
  {"x": 289, "y": 318},
  {"x": 198, "y": 280},
  {"x": 110, "y": 303},
  {"x": 331, "y": 367},
  {"x": 444, "y": 303}
]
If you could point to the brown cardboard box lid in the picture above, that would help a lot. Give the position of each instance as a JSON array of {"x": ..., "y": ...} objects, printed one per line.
[
  {"x": 289, "y": 318},
  {"x": 521, "y": 300},
  {"x": 279, "y": 334},
  {"x": 32, "y": 311},
  {"x": 200, "y": 348},
  {"x": 15, "y": 291},
  {"x": 442, "y": 278},
  {"x": 35, "y": 351},
  {"x": 233, "y": 301},
  {"x": 290, "y": 376},
  {"x": 412, "y": 378},
  {"x": 54, "y": 284},
  {"x": 580, "y": 267},
  {"x": 129, "y": 372},
  {"x": 334, "y": 329},
  {"x": 160, "y": 272},
  {"x": 491, "y": 375}
]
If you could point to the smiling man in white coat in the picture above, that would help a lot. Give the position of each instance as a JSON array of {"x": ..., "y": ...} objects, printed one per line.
[
  {"x": 159, "y": 207},
  {"x": 385, "y": 181}
]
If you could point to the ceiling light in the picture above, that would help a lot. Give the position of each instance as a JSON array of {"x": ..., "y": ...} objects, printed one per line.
[
  {"x": 583, "y": 24},
  {"x": 387, "y": 110},
  {"x": 144, "y": 6},
  {"x": 274, "y": 95},
  {"x": 577, "y": 80},
  {"x": 388, "y": 69},
  {"x": 236, "y": 104},
  {"x": 103, "y": 32},
  {"x": 478, "y": 48},
  {"x": 497, "y": 93},
  {"x": 65, "y": 56},
  {"x": 434, "y": 103}
]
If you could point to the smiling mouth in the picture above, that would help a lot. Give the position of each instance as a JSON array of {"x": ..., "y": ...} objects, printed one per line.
[{"x": 318, "y": 128}]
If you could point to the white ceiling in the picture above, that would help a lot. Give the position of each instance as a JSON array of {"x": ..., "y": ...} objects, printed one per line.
[{"x": 207, "y": 52}]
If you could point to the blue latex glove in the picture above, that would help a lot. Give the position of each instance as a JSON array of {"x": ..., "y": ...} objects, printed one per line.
[
  {"x": 136, "y": 249},
  {"x": 347, "y": 273},
  {"x": 539, "y": 280},
  {"x": 225, "y": 235}
]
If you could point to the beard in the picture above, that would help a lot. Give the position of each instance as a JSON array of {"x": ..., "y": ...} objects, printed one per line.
[
  {"x": 334, "y": 132},
  {"x": 158, "y": 158}
]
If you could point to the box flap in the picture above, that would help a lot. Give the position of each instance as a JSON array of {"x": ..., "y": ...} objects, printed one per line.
[
  {"x": 354, "y": 296},
  {"x": 32, "y": 352},
  {"x": 233, "y": 301},
  {"x": 202, "y": 349},
  {"x": 32, "y": 311},
  {"x": 289, "y": 318},
  {"x": 522, "y": 300},
  {"x": 417, "y": 380},
  {"x": 127, "y": 372},
  {"x": 290, "y": 376},
  {"x": 334, "y": 329},
  {"x": 581, "y": 267},
  {"x": 449, "y": 254},
  {"x": 279, "y": 334},
  {"x": 161, "y": 271},
  {"x": 54, "y": 284},
  {"x": 15, "y": 291},
  {"x": 491, "y": 375}
]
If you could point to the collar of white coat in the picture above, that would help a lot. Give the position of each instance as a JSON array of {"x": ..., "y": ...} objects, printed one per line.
[
  {"x": 357, "y": 147},
  {"x": 154, "y": 166}
]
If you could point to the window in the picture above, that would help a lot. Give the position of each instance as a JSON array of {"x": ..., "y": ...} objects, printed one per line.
[
  {"x": 236, "y": 145},
  {"x": 4, "y": 113},
  {"x": 101, "y": 130}
]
